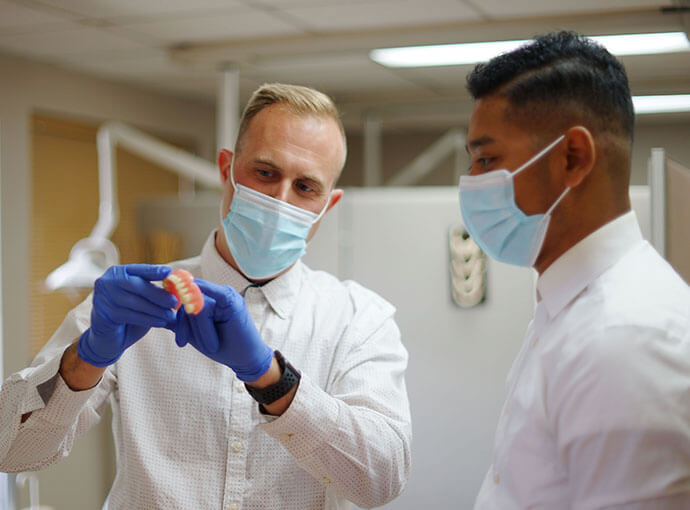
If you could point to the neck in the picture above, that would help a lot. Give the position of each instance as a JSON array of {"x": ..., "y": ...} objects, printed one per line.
[{"x": 563, "y": 235}]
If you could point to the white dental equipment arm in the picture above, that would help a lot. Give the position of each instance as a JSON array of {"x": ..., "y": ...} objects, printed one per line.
[{"x": 91, "y": 256}]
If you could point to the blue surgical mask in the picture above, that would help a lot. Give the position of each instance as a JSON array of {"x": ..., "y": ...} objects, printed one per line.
[
  {"x": 496, "y": 223},
  {"x": 265, "y": 235}
]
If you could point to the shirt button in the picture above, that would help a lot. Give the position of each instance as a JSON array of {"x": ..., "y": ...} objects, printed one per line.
[
  {"x": 497, "y": 479},
  {"x": 233, "y": 506},
  {"x": 240, "y": 387},
  {"x": 326, "y": 480},
  {"x": 285, "y": 437},
  {"x": 237, "y": 446}
]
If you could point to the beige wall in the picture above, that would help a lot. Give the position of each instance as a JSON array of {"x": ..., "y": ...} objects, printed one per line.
[
  {"x": 26, "y": 88},
  {"x": 400, "y": 146}
]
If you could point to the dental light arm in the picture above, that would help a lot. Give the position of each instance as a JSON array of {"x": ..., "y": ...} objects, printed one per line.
[{"x": 91, "y": 256}]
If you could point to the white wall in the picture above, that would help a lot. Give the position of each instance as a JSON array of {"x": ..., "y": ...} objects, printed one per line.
[{"x": 25, "y": 88}]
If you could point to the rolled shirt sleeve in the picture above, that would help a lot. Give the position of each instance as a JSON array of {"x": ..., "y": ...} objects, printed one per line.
[{"x": 58, "y": 414}]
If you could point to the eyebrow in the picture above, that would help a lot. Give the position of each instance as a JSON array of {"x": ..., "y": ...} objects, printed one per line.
[{"x": 479, "y": 142}]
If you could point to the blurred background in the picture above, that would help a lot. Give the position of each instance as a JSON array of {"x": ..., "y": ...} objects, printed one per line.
[{"x": 181, "y": 71}]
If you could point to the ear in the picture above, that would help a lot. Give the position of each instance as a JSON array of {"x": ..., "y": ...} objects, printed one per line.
[
  {"x": 336, "y": 195},
  {"x": 580, "y": 155},
  {"x": 224, "y": 164}
]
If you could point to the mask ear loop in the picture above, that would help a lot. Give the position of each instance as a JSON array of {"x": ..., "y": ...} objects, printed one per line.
[
  {"x": 539, "y": 154},
  {"x": 234, "y": 188},
  {"x": 325, "y": 208},
  {"x": 548, "y": 213},
  {"x": 232, "y": 174}
]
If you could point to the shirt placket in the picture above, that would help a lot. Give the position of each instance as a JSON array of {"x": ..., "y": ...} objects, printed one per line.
[
  {"x": 530, "y": 342},
  {"x": 238, "y": 435}
]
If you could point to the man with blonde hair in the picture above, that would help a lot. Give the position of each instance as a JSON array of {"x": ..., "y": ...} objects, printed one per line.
[{"x": 285, "y": 392}]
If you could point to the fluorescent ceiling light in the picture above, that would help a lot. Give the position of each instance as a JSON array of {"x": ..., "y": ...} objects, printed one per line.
[
  {"x": 662, "y": 104},
  {"x": 472, "y": 53}
]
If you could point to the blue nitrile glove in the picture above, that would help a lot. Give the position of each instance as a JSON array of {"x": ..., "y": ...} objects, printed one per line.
[
  {"x": 125, "y": 307},
  {"x": 225, "y": 332}
]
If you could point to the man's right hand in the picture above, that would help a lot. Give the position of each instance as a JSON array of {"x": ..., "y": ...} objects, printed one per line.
[{"x": 125, "y": 306}]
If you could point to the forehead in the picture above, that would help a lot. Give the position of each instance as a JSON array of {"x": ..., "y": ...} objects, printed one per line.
[
  {"x": 490, "y": 120},
  {"x": 290, "y": 139}
]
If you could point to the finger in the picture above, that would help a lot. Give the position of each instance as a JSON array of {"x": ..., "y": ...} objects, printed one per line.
[
  {"x": 123, "y": 281},
  {"x": 148, "y": 272},
  {"x": 120, "y": 299},
  {"x": 183, "y": 331},
  {"x": 204, "y": 329},
  {"x": 136, "y": 318}
]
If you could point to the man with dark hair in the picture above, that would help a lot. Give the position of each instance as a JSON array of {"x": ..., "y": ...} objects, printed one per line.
[{"x": 598, "y": 407}]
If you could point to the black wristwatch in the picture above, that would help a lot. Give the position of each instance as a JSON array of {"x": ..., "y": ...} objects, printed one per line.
[{"x": 287, "y": 381}]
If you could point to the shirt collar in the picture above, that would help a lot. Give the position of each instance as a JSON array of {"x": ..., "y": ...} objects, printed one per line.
[
  {"x": 281, "y": 292},
  {"x": 573, "y": 271}
]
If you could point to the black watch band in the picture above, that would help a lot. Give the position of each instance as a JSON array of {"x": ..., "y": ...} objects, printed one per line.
[{"x": 287, "y": 381}]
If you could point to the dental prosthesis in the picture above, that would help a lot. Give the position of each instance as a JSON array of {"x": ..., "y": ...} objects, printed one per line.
[{"x": 181, "y": 284}]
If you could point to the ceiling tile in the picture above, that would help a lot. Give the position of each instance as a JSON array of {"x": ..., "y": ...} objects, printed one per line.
[
  {"x": 500, "y": 9},
  {"x": 15, "y": 17},
  {"x": 281, "y": 4},
  {"x": 335, "y": 73},
  {"x": 203, "y": 87},
  {"x": 657, "y": 67},
  {"x": 117, "y": 8},
  {"x": 79, "y": 40},
  {"x": 145, "y": 63},
  {"x": 232, "y": 24},
  {"x": 381, "y": 14}
]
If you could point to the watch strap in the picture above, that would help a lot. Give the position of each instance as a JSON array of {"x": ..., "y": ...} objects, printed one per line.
[{"x": 288, "y": 380}]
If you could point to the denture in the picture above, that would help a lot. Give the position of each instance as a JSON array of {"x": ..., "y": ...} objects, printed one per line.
[{"x": 181, "y": 284}]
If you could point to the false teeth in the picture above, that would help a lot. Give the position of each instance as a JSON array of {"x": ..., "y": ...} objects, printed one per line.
[{"x": 181, "y": 284}]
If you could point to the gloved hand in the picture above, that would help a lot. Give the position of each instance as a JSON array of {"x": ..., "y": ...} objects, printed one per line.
[
  {"x": 125, "y": 307},
  {"x": 225, "y": 332}
]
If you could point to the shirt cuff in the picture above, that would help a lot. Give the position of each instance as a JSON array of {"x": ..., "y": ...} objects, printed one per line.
[
  {"x": 309, "y": 422},
  {"x": 49, "y": 395},
  {"x": 39, "y": 382}
]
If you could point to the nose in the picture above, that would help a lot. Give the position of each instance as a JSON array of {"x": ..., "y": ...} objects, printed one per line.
[{"x": 282, "y": 191}]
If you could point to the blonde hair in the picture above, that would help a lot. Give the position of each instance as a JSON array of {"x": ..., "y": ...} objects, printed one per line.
[{"x": 296, "y": 98}]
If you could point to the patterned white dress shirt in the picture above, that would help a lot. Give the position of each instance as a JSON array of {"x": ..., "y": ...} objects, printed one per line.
[
  {"x": 597, "y": 413},
  {"x": 188, "y": 435}
]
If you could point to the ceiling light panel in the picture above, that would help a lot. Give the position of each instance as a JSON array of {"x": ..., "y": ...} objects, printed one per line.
[
  {"x": 669, "y": 103},
  {"x": 500, "y": 9},
  {"x": 472, "y": 53}
]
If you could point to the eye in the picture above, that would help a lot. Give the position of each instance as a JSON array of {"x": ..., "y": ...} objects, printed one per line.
[
  {"x": 481, "y": 165},
  {"x": 303, "y": 187},
  {"x": 263, "y": 173},
  {"x": 484, "y": 162}
]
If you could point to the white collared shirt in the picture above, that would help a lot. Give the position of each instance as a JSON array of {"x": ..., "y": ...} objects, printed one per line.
[
  {"x": 187, "y": 434},
  {"x": 597, "y": 413}
]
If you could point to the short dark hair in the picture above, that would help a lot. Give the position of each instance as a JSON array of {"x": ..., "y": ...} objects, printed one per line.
[{"x": 560, "y": 72}]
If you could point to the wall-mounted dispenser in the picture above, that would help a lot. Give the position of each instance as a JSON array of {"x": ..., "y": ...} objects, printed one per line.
[{"x": 467, "y": 269}]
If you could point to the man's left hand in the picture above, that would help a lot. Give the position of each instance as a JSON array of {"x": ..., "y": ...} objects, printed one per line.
[{"x": 225, "y": 332}]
